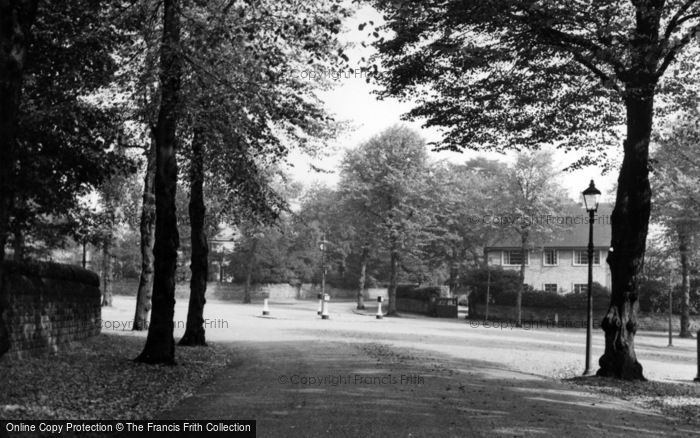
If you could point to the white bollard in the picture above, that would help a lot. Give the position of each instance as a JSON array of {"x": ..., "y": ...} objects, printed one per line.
[
  {"x": 379, "y": 308},
  {"x": 320, "y": 304},
  {"x": 324, "y": 312},
  {"x": 266, "y": 309}
]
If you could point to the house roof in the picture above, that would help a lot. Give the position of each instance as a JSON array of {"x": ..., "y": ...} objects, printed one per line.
[{"x": 572, "y": 229}]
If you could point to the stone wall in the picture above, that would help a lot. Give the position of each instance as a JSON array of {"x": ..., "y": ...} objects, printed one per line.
[
  {"x": 276, "y": 291},
  {"x": 46, "y": 305}
]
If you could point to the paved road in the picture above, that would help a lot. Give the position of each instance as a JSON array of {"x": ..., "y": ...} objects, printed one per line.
[
  {"x": 349, "y": 389},
  {"x": 357, "y": 376}
]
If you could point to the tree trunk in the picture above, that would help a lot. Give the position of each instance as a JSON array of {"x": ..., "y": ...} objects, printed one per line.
[
  {"x": 194, "y": 333},
  {"x": 249, "y": 271},
  {"x": 16, "y": 19},
  {"x": 160, "y": 344},
  {"x": 363, "y": 278},
  {"x": 146, "y": 228},
  {"x": 107, "y": 271},
  {"x": 4, "y": 332},
  {"x": 84, "y": 260},
  {"x": 685, "y": 285},
  {"x": 393, "y": 280},
  {"x": 630, "y": 221},
  {"x": 18, "y": 245},
  {"x": 524, "y": 234},
  {"x": 454, "y": 272}
]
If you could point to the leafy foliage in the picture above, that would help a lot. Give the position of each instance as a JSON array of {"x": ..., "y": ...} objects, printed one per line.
[
  {"x": 511, "y": 74},
  {"x": 68, "y": 138},
  {"x": 504, "y": 286},
  {"x": 243, "y": 90}
]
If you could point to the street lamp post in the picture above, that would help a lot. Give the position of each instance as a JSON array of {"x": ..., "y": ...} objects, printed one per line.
[
  {"x": 488, "y": 288},
  {"x": 223, "y": 261},
  {"x": 590, "y": 199},
  {"x": 322, "y": 245},
  {"x": 697, "y": 377}
]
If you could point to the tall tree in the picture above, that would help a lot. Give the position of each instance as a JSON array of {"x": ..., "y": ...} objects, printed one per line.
[
  {"x": 140, "y": 79},
  {"x": 463, "y": 198},
  {"x": 16, "y": 20},
  {"x": 59, "y": 130},
  {"x": 677, "y": 185},
  {"x": 531, "y": 192},
  {"x": 239, "y": 91},
  {"x": 160, "y": 344},
  {"x": 361, "y": 227},
  {"x": 508, "y": 72},
  {"x": 147, "y": 234},
  {"x": 386, "y": 177},
  {"x": 194, "y": 331}
]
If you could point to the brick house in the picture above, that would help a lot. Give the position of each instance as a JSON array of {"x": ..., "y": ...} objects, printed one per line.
[{"x": 559, "y": 263}]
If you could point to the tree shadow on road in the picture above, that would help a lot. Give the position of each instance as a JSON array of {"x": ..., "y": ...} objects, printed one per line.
[{"x": 315, "y": 388}]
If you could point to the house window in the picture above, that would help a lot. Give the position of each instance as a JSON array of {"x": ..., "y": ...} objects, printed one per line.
[
  {"x": 514, "y": 257},
  {"x": 551, "y": 288},
  {"x": 581, "y": 257},
  {"x": 551, "y": 257},
  {"x": 581, "y": 288}
]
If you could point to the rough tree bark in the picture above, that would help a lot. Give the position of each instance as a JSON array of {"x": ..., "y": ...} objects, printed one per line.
[
  {"x": 683, "y": 240},
  {"x": 107, "y": 271},
  {"x": 146, "y": 228},
  {"x": 364, "y": 257},
  {"x": 16, "y": 19},
  {"x": 249, "y": 271},
  {"x": 455, "y": 278},
  {"x": 160, "y": 344},
  {"x": 84, "y": 259},
  {"x": 630, "y": 219},
  {"x": 4, "y": 332},
  {"x": 18, "y": 245},
  {"x": 194, "y": 332}
]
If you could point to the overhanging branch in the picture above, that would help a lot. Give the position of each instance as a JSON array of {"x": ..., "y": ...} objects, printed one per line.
[{"x": 692, "y": 33}]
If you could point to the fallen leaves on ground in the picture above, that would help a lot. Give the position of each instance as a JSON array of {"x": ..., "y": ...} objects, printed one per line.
[
  {"x": 99, "y": 379},
  {"x": 674, "y": 400}
]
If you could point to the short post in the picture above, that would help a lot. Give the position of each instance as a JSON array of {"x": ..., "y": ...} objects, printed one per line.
[
  {"x": 266, "y": 309},
  {"x": 320, "y": 304},
  {"x": 324, "y": 312},
  {"x": 697, "y": 336},
  {"x": 379, "y": 308}
]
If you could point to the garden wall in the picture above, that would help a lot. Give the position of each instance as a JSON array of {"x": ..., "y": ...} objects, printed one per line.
[
  {"x": 235, "y": 291},
  {"x": 509, "y": 313},
  {"x": 46, "y": 305}
]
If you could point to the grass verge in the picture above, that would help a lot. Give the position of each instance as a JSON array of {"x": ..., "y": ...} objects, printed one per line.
[{"x": 98, "y": 379}]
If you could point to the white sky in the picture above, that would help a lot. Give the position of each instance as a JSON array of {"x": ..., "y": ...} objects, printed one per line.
[{"x": 352, "y": 101}]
